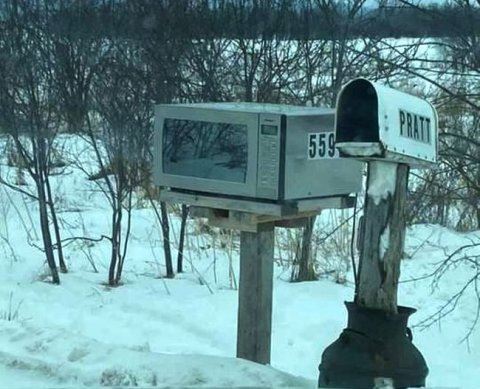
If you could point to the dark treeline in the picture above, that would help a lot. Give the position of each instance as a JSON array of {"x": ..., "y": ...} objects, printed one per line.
[{"x": 284, "y": 19}]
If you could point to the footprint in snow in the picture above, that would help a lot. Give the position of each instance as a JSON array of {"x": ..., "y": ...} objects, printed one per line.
[{"x": 77, "y": 353}]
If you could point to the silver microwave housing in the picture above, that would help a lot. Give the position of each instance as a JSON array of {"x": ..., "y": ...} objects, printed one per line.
[{"x": 279, "y": 168}]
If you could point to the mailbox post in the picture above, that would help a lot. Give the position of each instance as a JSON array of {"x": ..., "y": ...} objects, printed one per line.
[
  {"x": 391, "y": 131},
  {"x": 252, "y": 167},
  {"x": 255, "y": 294}
]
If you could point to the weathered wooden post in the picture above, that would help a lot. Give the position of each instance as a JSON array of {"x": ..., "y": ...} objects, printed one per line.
[
  {"x": 383, "y": 235},
  {"x": 255, "y": 294},
  {"x": 392, "y": 131}
]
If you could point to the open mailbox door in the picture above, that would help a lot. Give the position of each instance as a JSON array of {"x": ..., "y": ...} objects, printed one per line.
[{"x": 374, "y": 122}]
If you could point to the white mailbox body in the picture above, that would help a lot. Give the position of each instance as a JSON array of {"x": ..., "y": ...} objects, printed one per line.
[{"x": 374, "y": 122}]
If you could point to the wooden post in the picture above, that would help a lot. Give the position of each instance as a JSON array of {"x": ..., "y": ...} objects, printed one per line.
[
  {"x": 255, "y": 294},
  {"x": 383, "y": 237}
]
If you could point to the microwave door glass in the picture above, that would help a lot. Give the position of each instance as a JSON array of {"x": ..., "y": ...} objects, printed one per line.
[{"x": 217, "y": 151}]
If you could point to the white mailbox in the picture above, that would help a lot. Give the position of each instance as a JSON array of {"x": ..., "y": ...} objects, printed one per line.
[{"x": 374, "y": 122}]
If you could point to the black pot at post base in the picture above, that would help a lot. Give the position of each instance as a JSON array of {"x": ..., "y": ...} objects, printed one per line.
[{"x": 374, "y": 344}]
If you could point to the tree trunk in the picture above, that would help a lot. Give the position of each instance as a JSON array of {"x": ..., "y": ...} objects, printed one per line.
[
  {"x": 181, "y": 241},
  {"x": 56, "y": 227},
  {"x": 46, "y": 236},
  {"x": 478, "y": 217},
  {"x": 383, "y": 236},
  {"x": 116, "y": 234},
  {"x": 123, "y": 255},
  {"x": 166, "y": 239},
  {"x": 40, "y": 179},
  {"x": 305, "y": 268}
]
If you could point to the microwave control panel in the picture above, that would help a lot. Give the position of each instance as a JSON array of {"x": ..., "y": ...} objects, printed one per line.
[{"x": 268, "y": 156}]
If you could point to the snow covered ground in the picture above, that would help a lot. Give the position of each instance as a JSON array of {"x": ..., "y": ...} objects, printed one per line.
[{"x": 182, "y": 332}]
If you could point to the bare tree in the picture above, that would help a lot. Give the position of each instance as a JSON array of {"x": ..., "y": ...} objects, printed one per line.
[
  {"x": 28, "y": 111},
  {"x": 181, "y": 240},
  {"x": 168, "y": 78},
  {"x": 208, "y": 70},
  {"x": 466, "y": 258},
  {"x": 118, "y": 128}
]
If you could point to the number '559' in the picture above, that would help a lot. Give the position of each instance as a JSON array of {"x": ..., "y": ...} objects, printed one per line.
[{"x": 321, "y": 145}]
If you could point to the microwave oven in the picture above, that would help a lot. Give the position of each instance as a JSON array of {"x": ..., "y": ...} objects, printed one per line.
[{"x": 265, "y": 152}]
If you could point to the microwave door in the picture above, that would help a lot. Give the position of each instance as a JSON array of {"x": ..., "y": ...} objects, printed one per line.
[{"x": 209, "y": 152}]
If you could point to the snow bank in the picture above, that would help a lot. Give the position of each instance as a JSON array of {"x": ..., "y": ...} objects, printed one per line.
[{"x": 67, "y": 358}]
